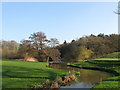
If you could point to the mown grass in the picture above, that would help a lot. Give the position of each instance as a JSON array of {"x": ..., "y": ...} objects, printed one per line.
[
  {"x": 20, "y": 74},
  {"x": 111, "y": 65},
  {"x": 112, "y": 82},
  {"x": 112, "y": 55},
  {"x": 108, "y": 59}
]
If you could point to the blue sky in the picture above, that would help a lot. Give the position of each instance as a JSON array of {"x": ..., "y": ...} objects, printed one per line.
[{"x": 61, "y": 20}]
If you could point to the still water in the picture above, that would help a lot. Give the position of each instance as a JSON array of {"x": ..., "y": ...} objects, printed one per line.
[{"x": 87, "y": 78}]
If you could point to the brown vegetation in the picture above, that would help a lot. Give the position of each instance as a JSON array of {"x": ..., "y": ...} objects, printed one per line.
[
  {"x": 57, "y": 83},
  {"x": 9, "y": 49},
  {"x": 39, "y": 47},
  {"x": 30, "y": 59},
  {"x": 90, "y": 47}
]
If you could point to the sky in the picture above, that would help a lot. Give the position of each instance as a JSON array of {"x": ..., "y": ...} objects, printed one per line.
[{"x": 61, "y": 20}]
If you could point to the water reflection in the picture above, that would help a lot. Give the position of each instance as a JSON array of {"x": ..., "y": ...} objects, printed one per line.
[{"x": 87, "y": 78}]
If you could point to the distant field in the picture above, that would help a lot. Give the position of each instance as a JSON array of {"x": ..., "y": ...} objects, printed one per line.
[{"x": 20, "y": 74}]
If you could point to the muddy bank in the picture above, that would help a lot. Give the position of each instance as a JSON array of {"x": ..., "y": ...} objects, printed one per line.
[{"x": 57, "y": 83}]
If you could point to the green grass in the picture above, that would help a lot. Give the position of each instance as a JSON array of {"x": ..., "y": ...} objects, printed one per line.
[
  {"x": 112, "y": 82},
  {"x": 101, "y": 64},
  {"x": 111, "y": 65},
  {"x": 112, "y": 55},
  {"x": 20, "y": 74},
  {"x": 112, "y": 59}
]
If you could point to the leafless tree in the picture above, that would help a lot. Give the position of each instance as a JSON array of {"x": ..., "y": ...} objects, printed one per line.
[
  {"x": 38, "y": 39},
  {"x": 54, "y": 42}
]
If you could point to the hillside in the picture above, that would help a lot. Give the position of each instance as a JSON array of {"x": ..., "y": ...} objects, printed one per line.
[{"x": 112, "y": 55}]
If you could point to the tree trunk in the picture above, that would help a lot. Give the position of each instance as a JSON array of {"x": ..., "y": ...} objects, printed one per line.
[{"x": 48, "y": 59}]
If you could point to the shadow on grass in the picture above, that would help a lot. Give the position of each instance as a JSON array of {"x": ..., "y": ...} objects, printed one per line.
[
  {"x": 16, "y": 72},
  {"x": 106, "y": 61}
]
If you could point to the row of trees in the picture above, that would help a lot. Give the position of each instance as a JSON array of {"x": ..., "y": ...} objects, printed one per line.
[
  {"x": 91, "y": 46},
  {"x": 38, "y": 46},
  {"x": 9, "y": 49}
]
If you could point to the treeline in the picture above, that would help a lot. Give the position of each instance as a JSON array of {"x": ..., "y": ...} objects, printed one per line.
[
  {"x": 90, "y": 47},
  {"x": 39, "y": 47},
  {"x": 9, "y": 49}
]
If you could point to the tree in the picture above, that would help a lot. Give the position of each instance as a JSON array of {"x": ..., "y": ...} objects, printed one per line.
[
  {"x": 52, "y": 53},
  {"x": 38, "y": 40},
  {"x": 65, "y": 42},
  {"x": 114, "y": 39},
  {"x": 72, "y": 41},
  {"x": 84, "y": 53},
  {"x": 9, "y": 49},
  {"x": 25, "y": 49},
  {"x": 100, "y": 45},
  {"x": 92, "y": 35},
  {"x": 54, "y": 42},
  {"x": 101, "y": 35}
]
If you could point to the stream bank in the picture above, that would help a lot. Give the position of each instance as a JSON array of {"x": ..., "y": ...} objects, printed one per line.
[
  {"x": 58, "y": 82},
  {"x": 87, "y": 78},
  {"x": 110, "y": 65}
]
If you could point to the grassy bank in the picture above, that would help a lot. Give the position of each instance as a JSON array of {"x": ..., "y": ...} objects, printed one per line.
[
  {"x": 111, "y": 65},
  {"x": 20, "y": 74},
  {"x": 112, "y": 55}
]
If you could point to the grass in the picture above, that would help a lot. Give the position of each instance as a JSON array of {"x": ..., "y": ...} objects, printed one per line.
[
  {"x": 111, "y": 65},
  {"x": 112, "y": 55},
  {"x": 108, "y": 59},
  {"x": 112, "y": 82},
  {"x": 20, "y": 74}
]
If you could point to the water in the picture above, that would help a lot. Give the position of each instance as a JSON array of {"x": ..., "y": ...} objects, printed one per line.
[{"x": 87, "y": 78}]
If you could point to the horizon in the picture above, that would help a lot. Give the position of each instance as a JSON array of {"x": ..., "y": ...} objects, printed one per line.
[
  {"x": 64, "y": 40},
  {"x": 64, "y": 21}
]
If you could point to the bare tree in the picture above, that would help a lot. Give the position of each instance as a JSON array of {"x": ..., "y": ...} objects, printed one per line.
[
  {"x": 54, "y": 42},
  {"x": 38, "y": 39},
  {"x": 52, "y": 53},
  {"x": 9, "y": 49},
  {"x": 25, "y": 49},
  {"x": 118, "y": 11}
]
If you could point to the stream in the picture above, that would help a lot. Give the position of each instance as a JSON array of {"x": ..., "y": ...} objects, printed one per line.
[{"x": 87, "y": 78}]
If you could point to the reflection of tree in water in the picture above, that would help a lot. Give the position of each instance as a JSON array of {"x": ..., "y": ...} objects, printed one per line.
[
  {"x": 59, "y": 66},
  {"x": 87, "y": 77},
  {"x": 91, "y": 77}
]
